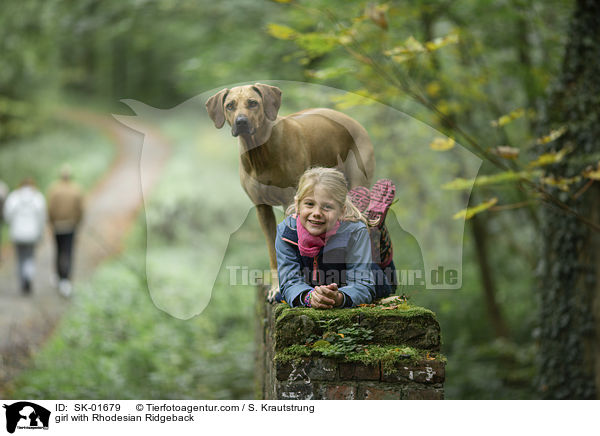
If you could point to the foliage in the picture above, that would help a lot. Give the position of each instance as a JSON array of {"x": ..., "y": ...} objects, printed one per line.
[
  {"x": 27, "y": 36},
  {"x": 416, "y": 51},
  {"x": 475, "y": 70},
  {"x": 118, "y": 49},
  {"x": 342, "y": 342},
  {"x": 118, "y": 344},
  {"x": 469, "y": 212},
  {"x": 88, "y": 154}
]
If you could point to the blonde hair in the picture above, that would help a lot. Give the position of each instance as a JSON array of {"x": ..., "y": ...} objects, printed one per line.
[{"x": 334, "y": 182}]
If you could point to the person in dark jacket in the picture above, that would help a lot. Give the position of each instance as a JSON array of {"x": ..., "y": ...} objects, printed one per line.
[
  {"x": 65, "y": 210},
  {"x": 324, "y": 257}
]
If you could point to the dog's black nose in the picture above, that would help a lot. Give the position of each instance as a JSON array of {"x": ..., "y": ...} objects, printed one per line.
[
  {"x": 242, "y": 126},
  {"x": 242, "y": 121}
]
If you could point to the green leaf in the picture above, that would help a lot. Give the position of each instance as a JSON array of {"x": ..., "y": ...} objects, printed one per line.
[
  {"x": 442, "y": 144},
  {"x": 562, "y": 183},
  {"x": 316, "y": 44},
  {"x": 321, "y": 344},
  {"x": 554, "y": 134},
  {"x": 592, "y": 173},
  {"x": 505, "y": 119},
  {"x": 281, "y": 32},
  {"x": 503, "y": 177},
  {"x": 413, "y": 47},
  {"x": 551, "y": 157},
  {"x": 471, "y": 211},
  {"x": 440, "y": 42}
]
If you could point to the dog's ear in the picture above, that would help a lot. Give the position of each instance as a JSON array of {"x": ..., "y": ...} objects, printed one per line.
[
  {"x": 214, "y": 107},
  {"x": 271, "y": 96}
]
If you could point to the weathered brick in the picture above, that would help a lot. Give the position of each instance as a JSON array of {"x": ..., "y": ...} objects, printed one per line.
[
  {"x": 318, "y": 377},
  {"x": 322, "y": 369},
  {"x": 306, "y": 369},
  {"x": 288, "y": 390},
  {"x": 359, "y": 371},
  {"x": 337, "y": 392},
  {"x": 427, "y": 371},
  {"x": 423, "y": 394},
  {"x": 282, "y": 370},
  {"x": 379, "y": 391}
]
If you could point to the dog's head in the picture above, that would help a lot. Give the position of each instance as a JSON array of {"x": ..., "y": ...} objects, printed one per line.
[{"x": 246, "y": 108}]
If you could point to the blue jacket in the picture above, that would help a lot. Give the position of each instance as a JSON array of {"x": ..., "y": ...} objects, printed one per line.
[{"x": 345, "y": 260}]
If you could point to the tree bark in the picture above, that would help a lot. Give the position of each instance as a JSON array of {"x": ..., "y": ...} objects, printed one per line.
[{"x": 570, "y": 293}]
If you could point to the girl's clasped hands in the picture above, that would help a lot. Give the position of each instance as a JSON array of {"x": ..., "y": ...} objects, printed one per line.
[{"x": 326, "y": 297}]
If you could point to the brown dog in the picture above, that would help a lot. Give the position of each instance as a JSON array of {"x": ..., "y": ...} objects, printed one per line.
[{"x": 275, "y": 151}]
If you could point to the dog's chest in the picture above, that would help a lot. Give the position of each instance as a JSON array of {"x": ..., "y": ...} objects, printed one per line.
[{"x": 262, "y": 189}]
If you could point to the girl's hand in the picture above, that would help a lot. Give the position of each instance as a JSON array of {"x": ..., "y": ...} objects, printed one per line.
[
  {"x": 338, "y": 296},
  {"x": 326, "y": 297}
]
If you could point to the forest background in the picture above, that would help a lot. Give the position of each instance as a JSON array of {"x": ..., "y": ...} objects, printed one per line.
[{"x": 482, "y": 73}]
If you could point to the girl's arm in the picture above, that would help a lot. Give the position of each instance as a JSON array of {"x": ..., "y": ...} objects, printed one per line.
[
  {"x": 291, "y": 280},
  {"x": 360, "y": 282}
]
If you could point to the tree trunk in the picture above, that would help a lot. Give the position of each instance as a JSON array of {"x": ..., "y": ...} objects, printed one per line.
[
  {"x": 479, "y": 231},
  {"x": 570, "y": 292}
]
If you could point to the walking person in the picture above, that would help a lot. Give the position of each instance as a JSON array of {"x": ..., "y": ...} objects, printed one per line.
[
  {"x": 25, "y": 213},
  {"x": 65, "y": 209}
]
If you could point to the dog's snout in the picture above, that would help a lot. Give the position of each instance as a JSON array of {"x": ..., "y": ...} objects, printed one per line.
[
  {"x": 242, "y": 126},
  {"x": 241, "y": 120}
]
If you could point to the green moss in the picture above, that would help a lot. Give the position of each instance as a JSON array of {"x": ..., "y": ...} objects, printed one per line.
[
  {"x": 401, "y": 324},
  {"x": 294, "y": 353},
  {"x": 387, "y": 355},
  {"x": 279, "y": 308},
  {"x": 347, "y": 317}
]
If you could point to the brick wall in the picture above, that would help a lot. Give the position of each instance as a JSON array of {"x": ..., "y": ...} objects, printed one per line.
[{"x": 386, "y": 351}]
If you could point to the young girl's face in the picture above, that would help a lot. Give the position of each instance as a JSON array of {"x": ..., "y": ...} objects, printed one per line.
[{"x": 318, "y": 212}]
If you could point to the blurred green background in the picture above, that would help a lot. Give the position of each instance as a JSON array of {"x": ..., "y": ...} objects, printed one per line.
[{"x": 89, "y": 55}]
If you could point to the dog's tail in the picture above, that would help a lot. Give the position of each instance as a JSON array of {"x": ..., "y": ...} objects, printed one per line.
[
  {"x": 359, "y": 163},
  {"x": 366, "y": 168}
]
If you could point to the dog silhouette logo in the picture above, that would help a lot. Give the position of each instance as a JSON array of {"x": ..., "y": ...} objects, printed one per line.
[{"x": 26, "y": 415}]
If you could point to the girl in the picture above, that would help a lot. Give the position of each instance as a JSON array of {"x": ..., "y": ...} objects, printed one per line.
[{"x": 323, "y": 246}]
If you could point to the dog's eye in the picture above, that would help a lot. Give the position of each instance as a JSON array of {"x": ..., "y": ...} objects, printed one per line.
[
  {"x": 230, "y": 106},
  {"x": 252, "y": 103}
]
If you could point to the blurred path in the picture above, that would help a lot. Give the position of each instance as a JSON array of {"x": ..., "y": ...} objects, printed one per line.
[{"x": 111, "y": 208}]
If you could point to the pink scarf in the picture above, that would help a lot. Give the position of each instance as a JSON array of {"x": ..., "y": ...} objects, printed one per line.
[{"x": 310, "y": 245}]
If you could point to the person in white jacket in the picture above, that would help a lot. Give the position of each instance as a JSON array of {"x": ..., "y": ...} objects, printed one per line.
[{"x": 25, "y": 213}]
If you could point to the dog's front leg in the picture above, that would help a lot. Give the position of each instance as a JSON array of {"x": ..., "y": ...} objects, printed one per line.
[{"x": 266, "y": 217}]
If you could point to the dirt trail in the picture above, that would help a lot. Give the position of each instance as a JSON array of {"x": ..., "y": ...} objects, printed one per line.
[{"x": 111, "y": 208}]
